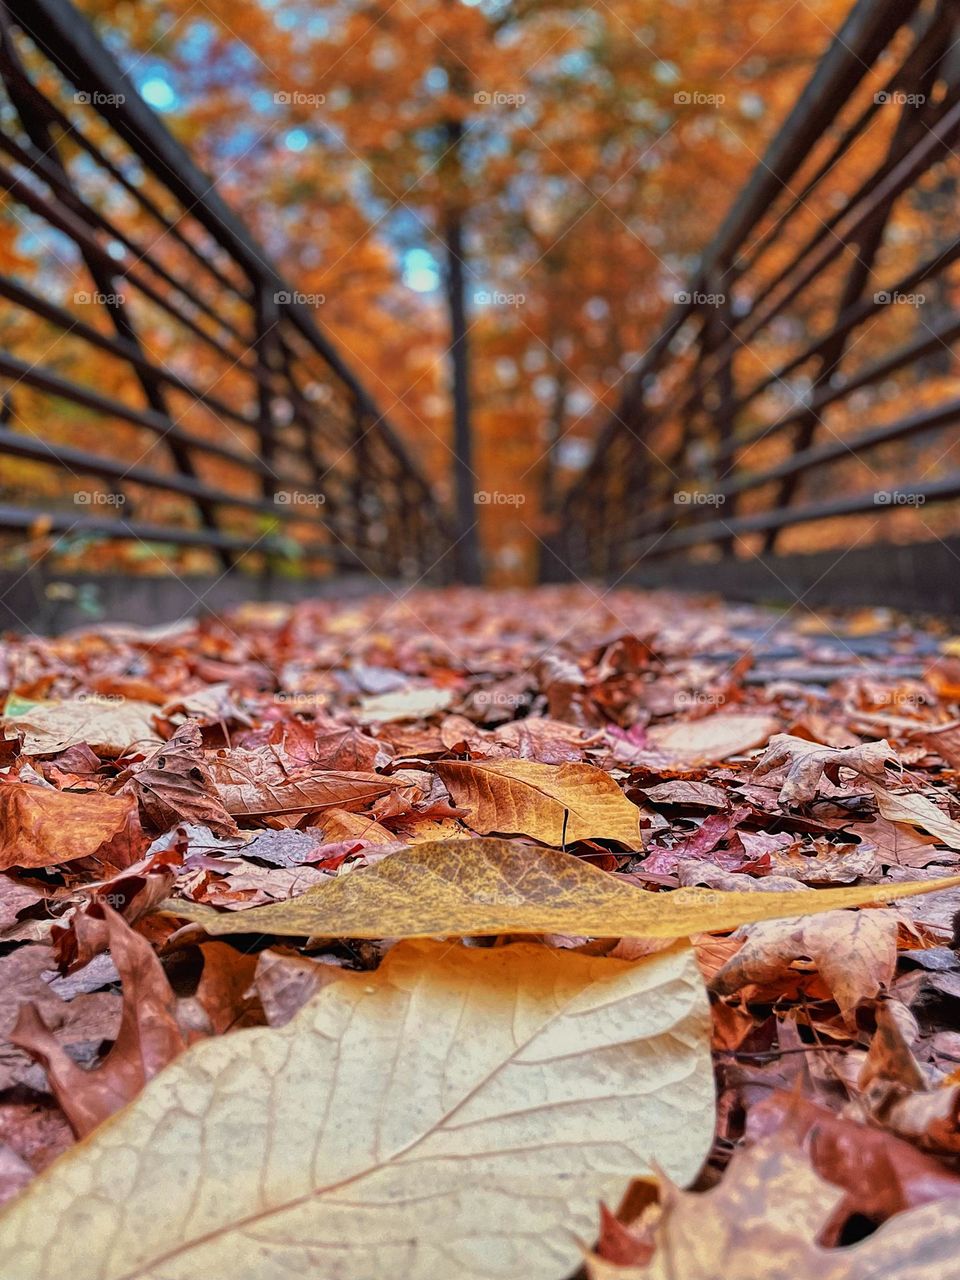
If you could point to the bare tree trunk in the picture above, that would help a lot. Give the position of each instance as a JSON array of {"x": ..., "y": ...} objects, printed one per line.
[{"x": 464, "y": 479}]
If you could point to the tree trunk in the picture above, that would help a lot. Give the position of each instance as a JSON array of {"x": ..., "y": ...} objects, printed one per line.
[{"x": 464, "y": 480}]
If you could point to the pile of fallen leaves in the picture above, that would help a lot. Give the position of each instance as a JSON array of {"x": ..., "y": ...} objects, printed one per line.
[{"x": 481, "y": 935}]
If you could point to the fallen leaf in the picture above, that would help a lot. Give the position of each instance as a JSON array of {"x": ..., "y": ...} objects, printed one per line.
[
  {"x": 714, "y": 738},
  {"x": 807, "y": 762},
  {"x": 762, "y": 1220},
  {"x": 174, "y": 785},
  {"x": 881, "y": 1174},
  {"x": 404, "y": 704},
  {"x": 918, "y": 811},
  {"x": 110, "y": 725},
  {"x": 455, "y": 1110},
  {"x": 249, "y": 789},
  {"x": 489, "y": 887},
  {"x": 521, "y": 797},
  {"x": 41, "y": 827},
  {"x": 149, "y": 1036},
  {"x": 855, "y": 952}
]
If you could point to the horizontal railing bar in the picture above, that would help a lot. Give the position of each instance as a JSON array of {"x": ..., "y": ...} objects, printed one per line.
[
  {"x": 47, "y": 109},
  {"x": 72, "y": 459},
  {"x": 59, "y": 183},
  {"x": 45, "y": 380},
  {"x": 784, "y": 518},
  {"x": 119, "y": 347},
  {"x": 66, "y": 221},
  {"x": 829, "y": 395},
  {"x": 119, "y": 529},
  {"x": 808, "y": 460},
  {"x": 852, "y": 319}
]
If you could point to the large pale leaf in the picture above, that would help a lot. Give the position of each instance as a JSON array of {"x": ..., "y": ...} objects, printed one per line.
[
  {"x": 457, "y": 1113},
  {"x": 503, "y": 886},
  {"x": 110, "y": 725},
  {"x": 521, "y": 797}
]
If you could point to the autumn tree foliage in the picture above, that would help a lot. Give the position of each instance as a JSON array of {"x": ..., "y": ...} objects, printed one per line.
[{"x": 569, "y": 162}]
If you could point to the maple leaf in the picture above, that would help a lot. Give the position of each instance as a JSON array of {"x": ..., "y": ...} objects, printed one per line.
[
  {"x": 807, "y": 762},
  {"x": 416, "y": 1120}
]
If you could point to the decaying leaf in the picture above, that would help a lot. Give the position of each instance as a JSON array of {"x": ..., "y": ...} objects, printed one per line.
[
  {"x": 763, "y": 1219},
  {"x": 149, "y": 1035},
  {"x": 110, "y": 725},
  {"x": 716, "y": 737},
  {"x": 40, "y": 827},
  {"x": 855, "y": 953},
  {"x": 485, "y": 887},
  {"x": 807, "y": 762},
  {"x": 174, "y": 785},
  {"x": 547, "y": 802},
  {"x": 918, "y": 811},
  {"x": 458, "y": 1112}
]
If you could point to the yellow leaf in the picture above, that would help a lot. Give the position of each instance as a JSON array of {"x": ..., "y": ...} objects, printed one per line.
[
  {"x": 457, "y": 1113},
  {"x": 521, "y": 797},
  {"x": 486, "y": 887}
]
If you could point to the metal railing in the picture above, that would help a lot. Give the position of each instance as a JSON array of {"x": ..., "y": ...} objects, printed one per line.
[
  {"x": 161, "y": 383},
  {"x": 807, "y": 373}
]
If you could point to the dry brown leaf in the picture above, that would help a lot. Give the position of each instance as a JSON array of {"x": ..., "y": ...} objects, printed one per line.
[
  {"x": 174, "y": 785},
  {"x": 521, "y": 797},
  {"x": 488, "y": 887},
  {"x": 458, "y": 1110},
  {"x": 252, "y": 784},
  {"x": 41, "y": 827},
  {"x": 761, "y": 1223},
  {"x": 110, "y": 725},
  {"x": 918, "y": 811},
  {"x": 149, "y": 1035},
  {"x": 855, "y": 952},
  {"x": 714, "y": 738},
  {"x": 807, "y": 762}
]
